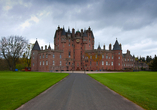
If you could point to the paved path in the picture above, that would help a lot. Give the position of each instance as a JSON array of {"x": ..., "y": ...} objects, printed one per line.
[{"x": 79, "y": 92}]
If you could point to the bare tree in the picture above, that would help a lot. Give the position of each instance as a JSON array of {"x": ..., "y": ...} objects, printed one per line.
[
  {"x": 27, "y": 54},
  {"x": 12, "y": 49}
]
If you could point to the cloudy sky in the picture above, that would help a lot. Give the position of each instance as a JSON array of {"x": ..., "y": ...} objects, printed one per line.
[{"x": 132, "y": 22}]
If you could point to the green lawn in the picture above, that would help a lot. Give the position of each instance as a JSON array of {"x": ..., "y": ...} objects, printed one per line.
[
  {"x": 16, "y": 88},
  {"x": 139, "y": 87}
]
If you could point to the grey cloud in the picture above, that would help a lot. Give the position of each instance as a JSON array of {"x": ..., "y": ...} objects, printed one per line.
[{"x": 124, "y": 15}]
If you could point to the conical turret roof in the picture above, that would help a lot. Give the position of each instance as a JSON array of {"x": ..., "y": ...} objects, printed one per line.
[
  {"x": 116, "y": 46},
  {"x": 99, "y": 47},
  {"x": 36, "y": 46},
  {"x": 49, "y": 47},
  {"x": 63, "y": 32}
]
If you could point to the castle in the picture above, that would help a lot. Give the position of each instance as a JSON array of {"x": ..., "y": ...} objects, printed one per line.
[{"x": 75, "y": 51}]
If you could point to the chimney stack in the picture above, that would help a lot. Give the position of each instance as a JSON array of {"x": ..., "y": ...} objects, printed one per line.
[
  {"x": 128, "y": 52},
  {"x": 120, "y": 46},
  {"x": 58, "y": 27},
  {"x": 110, "y": 47},
  {"x": 81, "y": 32},
  {"x": 41, "y": 47},
  {"x": 73, "y": 32},
  {"x": 45, "y": 47}
]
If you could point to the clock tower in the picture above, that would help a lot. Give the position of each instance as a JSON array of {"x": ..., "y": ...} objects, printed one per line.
[{"x": 77, "y": 51}]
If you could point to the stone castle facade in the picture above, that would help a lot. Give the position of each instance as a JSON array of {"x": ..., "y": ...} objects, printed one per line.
[{"x": 75, "y": 51}]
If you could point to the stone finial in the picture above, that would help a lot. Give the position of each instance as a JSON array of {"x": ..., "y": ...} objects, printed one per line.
[{"x": 104, "y": 46}]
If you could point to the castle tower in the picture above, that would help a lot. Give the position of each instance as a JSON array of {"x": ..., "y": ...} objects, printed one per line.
[
  {"x": 117, "y": 56},
  {"x": 78, "y": 50},
  {"x": 34, "y": 56}
]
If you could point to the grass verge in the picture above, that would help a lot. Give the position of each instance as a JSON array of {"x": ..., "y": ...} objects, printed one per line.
[
  {"x": 139, "y": 87},
  {"x": 16, "y": 88}
]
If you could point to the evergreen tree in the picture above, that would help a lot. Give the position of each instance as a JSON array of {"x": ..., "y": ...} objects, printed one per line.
[{"x": 153, "y": 65}]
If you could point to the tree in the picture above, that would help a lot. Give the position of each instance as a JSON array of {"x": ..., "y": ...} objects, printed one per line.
[
  {"x": 27, "y": 55},
  {"x": 12, "y": 49},
  {"x": 153, "y": 65}
]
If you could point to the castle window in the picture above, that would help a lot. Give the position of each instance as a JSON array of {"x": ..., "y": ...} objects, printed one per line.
[
  {"x": 97, "y": 63},
  {"x": 119, "y": 53},
  {"x": 33, "y": 64},
  {"x": 69, "y": 63},
  {"x": 118, "y": 57},
  {"x": 69, "y": 40},
  {"x": 53, "y": 56},
  {"x": 46, "y": 62},
  {"x": 112, "y": 63},
  {"x": 60, "y": 56},
  {"x": 60, "y": 63},
  {"x": 40, "y": 62},
  {"x": 43, "y": 55},
  {"x": 69, "y": 54},
  {"x": 119, "y": 64},
  {"x": 83, "y": 56},
  {"x": 125, "y": 59},
  {"x": 90, "y": 63},
  {"x": 33, "y": 57},
  {"x": 128, "y": 59},
  {"x": 102, "y": 56},
  {"x": 89, "y": 45},
  {"x": 69, "y": 44},
  {"x": 90, "y": 57},
  {"x": 33, "y": 53},
  {"x": 95, "y": 56},
  {"x": 102, "y": 62},
  {"x": 43, "y": 62},
  {"x": 53, "y": 62},
  {"x": 40, "y": 56},
  {"x": 46, "y": 55},
  {"x": 106, "y": 62},
  {"x": 112, "y": 56},
  {"x": 106, "y": 56}
]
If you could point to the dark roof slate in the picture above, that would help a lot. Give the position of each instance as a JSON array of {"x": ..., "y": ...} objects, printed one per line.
[
  {"x": 84, "y": 34},
  {"x": 36, "y": 46},
  {"x": 68, "y": 31},
  {"x": 116, "y": 46},
  {"x": 49, "y": 47},
  {"x": 99, "y": 47},
  {"x": 55, "y": 35},
  {"x": 92, "y": 35},
  {"x": 63, "y": 32}
]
